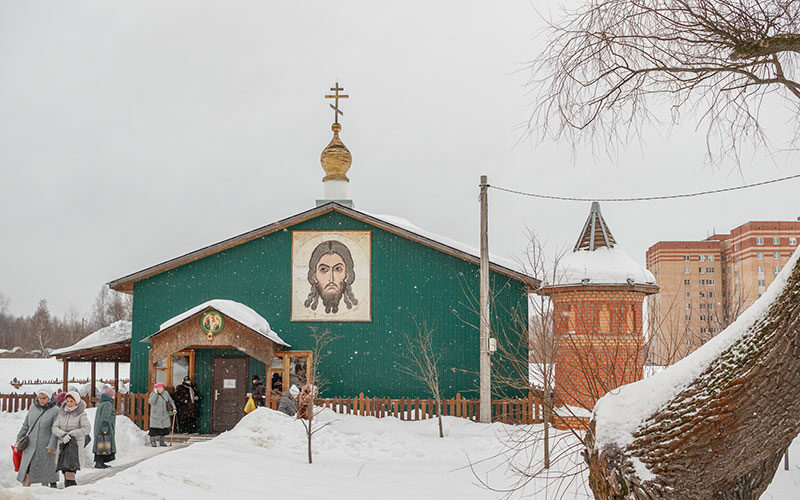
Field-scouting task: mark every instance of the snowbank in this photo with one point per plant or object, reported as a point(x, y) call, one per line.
point(601, 266)
point(621, 412)
point(240, 312)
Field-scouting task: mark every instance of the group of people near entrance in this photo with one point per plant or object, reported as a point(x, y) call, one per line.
point(55, 431)
point(296, 401)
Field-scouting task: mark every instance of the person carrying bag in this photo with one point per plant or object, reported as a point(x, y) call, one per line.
point(162, 407)
point(104, 423)
point(33, 454)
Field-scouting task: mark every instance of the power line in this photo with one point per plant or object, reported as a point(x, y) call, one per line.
point(645, 198)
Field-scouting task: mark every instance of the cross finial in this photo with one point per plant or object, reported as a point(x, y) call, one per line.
point(336, 96)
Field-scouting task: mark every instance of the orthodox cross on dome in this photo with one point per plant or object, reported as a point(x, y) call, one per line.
point(595, 232)
point(336, 96)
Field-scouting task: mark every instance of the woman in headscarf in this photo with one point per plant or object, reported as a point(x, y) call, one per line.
point(71, 428)
point(105, 418)
point(162, 408)
point(38, 459)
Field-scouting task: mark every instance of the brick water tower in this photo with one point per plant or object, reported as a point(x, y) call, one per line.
point(597, 297)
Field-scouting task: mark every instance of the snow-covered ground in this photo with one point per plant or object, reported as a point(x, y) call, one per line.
point(354, 457)
point(51, 368)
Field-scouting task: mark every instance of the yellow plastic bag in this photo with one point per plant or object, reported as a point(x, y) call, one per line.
point(250, 406)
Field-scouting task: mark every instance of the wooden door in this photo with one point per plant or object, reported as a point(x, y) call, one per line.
point(228, 392)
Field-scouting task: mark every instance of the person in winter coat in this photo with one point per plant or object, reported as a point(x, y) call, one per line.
point(38, 459)
point(105, 418)
point(162, 407)
point(259, 392)
point(288, 404)
point(71, 427)
point(186, 399)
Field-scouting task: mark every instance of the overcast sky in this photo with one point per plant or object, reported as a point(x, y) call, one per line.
point(132, 132)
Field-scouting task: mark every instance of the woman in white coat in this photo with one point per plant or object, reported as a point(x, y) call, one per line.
point(71, 428)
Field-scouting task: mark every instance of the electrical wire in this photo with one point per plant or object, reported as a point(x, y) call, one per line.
point(644, 198)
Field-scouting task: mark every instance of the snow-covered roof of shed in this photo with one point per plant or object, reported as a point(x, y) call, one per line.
point(111, 334)
point(236, 310)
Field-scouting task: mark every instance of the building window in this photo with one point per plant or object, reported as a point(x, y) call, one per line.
point(776, 256)
point(759, 241)
point(761, 269)
point(762, 283)
point(687, 282)
point(760, 255)
point(605, 320)
point(702, 305)
point(710, 295)
point(688, 340)
point(793, 241)
point(702, 294)
point(776, 270)
point(689, 294)
point(687, 317)
point(709, 270)
point(709, 282)
point(711, 258)
point(735, 246)
point(630, 319)
point(688, 306)
point(686, 270)
point(702, 282)
point(776, 241)
point(700, 270)
point(686, 258)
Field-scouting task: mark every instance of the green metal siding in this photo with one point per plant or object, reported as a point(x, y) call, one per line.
point(408, 279)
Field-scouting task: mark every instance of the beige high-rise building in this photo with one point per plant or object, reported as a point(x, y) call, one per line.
point(707, 284)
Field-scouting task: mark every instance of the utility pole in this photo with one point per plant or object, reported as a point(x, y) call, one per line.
point(485, 367)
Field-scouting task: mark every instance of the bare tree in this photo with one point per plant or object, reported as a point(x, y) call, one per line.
point(4, 302)
point(307, 410)
point(111, 306)
point(421, 362)
point(721, 433)
point(610, 64)
point(41, 327)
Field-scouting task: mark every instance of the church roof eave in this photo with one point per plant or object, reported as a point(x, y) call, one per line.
point(125, 283)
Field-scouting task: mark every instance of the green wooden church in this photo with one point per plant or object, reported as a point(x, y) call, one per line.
point(248, 305)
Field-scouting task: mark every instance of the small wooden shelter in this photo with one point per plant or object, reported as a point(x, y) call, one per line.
point(111, 344)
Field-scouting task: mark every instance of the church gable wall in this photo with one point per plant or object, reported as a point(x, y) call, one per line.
point(407, 279)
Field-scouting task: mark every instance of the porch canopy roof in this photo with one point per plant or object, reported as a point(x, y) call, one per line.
point(108, 344)
point(243, 329)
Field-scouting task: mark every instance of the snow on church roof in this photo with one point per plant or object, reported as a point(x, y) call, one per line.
point(410, 227)
point(111, 334)
point(232, 309)
point(391, 223)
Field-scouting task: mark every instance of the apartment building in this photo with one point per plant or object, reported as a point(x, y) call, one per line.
point(706, 284)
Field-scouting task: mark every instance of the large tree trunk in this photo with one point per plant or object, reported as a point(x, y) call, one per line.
point(722, 435)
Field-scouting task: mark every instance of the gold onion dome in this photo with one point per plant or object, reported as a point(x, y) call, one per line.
point(336, 158)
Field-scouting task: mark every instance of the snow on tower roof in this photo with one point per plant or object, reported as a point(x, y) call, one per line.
point(236, 310)
point(111, 334)
point(597, 260)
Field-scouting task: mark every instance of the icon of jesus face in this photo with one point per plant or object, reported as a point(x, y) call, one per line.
point(331, 275)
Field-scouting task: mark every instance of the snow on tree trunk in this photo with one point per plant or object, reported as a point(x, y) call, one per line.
point(715, 424)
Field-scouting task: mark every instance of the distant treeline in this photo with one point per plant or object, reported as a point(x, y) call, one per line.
point(43, 332)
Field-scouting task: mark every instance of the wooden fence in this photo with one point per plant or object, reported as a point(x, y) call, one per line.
point(60, 381)
point(511, 411)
